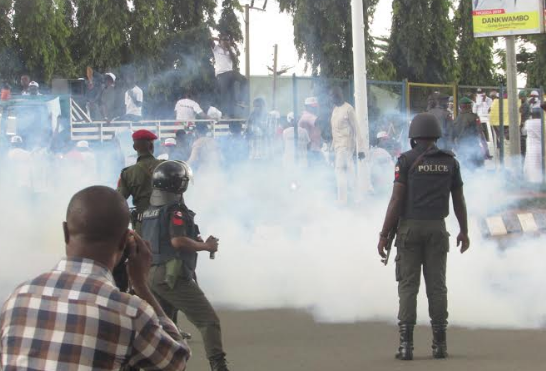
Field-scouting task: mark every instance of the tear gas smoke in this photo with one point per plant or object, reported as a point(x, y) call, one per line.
point(283, 247)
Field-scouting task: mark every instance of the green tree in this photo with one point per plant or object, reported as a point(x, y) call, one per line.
point(410, 41)
point(536, 73)
point(323, 35)
point(186, 55)
point(102, 35)
point(9, 58)
point(229, 23)
point(42, 36)
point(148, 35)
point(441, 59)
point(475, 65)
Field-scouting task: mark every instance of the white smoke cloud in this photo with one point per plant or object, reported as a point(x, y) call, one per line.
point(281, 248)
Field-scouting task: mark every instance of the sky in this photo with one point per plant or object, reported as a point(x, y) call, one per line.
point(273, 27)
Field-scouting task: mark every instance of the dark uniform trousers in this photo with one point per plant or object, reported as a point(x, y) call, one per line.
point(187, 297)
point(422, 243)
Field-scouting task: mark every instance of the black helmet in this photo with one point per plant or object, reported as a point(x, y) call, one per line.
point(172, 176)
point(425, 125)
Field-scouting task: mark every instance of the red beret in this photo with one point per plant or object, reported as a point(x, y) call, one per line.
point(144, 135)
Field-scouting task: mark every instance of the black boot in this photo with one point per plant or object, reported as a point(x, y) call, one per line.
point(405, 350)
point(439, 343)
point(218, 363)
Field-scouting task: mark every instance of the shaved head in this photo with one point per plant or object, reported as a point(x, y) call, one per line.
point(97, 215)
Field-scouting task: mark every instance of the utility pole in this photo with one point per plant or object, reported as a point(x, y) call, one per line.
point(361, 92)
point(512, 91)
point(247, 42)
point(248, 7)
point(275, 67)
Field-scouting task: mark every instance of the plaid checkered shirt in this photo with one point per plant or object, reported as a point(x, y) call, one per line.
point(74, 318)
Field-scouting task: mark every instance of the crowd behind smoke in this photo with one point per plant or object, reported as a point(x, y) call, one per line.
point(286, 243)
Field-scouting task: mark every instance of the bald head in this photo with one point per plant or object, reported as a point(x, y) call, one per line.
point(97, 215)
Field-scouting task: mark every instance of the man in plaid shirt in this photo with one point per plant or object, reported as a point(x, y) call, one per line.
point(74, 318)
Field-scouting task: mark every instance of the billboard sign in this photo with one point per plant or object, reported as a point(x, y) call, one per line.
point(507, 17)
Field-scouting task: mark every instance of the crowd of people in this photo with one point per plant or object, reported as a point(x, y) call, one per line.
point(325, 137)
point(467, 133)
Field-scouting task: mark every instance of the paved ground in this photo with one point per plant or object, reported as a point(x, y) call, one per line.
point(285, 340)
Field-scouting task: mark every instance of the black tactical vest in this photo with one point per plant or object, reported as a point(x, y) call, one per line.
point(155, 229)
point(429, 184)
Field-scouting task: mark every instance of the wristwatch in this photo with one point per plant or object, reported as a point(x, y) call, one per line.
point(383, 235)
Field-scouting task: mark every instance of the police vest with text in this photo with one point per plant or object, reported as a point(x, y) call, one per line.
point(429, 184)
point(155, 229)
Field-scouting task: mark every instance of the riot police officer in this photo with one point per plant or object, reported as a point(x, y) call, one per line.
point(424, 179)
point(175, 240)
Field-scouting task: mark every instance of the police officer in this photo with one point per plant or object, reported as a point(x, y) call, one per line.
point(468, 136)
point(136, 181)
point(438, 107)
point(424, 179)
point(175, 239)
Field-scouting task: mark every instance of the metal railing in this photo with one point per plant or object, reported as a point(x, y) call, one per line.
point(104, 131)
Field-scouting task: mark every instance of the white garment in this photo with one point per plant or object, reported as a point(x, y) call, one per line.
point(205, 155)
point(482, 105)
point(21, 165)
point(187, 110)
point(345, 174)
point(532, 167)
point(303, 143)
point(222, 60)
point(381, 162)
point(214, 113)
point(130, 107)
point(346, 131)
point(536, 104)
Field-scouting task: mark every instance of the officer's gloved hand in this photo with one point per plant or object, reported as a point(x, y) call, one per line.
point(361, 155)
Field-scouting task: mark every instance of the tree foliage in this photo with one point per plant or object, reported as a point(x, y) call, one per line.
point(9, 56)
point(409, 44)
point(167, 42)
point(475, 64)
point(101, 35)
point(323, 35)
point(536, 60)
point(422, 41)
point(148, 30)
point(441, 59)
point(42, 34)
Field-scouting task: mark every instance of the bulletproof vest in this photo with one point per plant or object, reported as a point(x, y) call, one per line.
point(429, 184)
point(155, 229)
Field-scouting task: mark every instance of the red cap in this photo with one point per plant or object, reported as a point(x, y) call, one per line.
point(144, 135)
